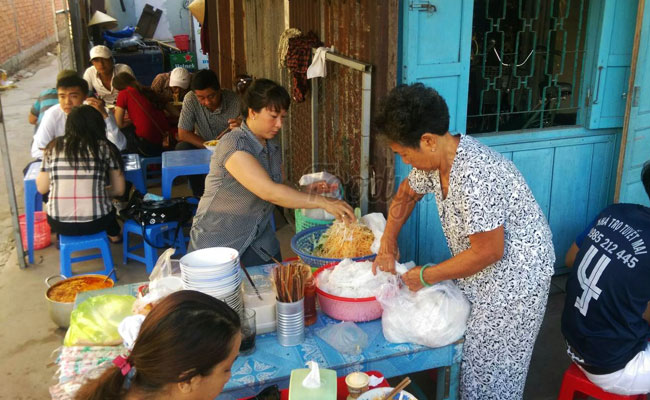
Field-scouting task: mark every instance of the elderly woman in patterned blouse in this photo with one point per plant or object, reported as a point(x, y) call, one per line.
point(500, 241)
point(245, 182)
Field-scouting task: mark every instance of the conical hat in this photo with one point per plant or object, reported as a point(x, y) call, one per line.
point(99, 18)
point(197, 8)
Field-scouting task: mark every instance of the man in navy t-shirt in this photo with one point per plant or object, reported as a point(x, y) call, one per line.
point(607, 293)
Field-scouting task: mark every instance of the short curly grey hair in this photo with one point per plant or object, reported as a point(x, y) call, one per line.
point(409, 111)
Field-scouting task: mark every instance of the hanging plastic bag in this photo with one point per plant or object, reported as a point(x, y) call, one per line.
point(345, 337)
point(322, 183)
point(94, 322)
point(433, 316)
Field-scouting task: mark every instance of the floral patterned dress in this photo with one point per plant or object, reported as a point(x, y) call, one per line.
point(508, 297)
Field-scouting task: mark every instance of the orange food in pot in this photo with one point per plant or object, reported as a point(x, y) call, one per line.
point(66, 291)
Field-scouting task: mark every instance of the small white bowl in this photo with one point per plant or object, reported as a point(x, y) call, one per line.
point(210, 147)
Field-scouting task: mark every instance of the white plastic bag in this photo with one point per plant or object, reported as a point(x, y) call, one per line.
point(161, 284)
point(433, 316)
point(332, 182)
point(346, 337)
point(129, 329)
point(163, 265)
point(377, 224)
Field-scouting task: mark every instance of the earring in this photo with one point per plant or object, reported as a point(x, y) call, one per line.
point(253, 117)
point(433, 150)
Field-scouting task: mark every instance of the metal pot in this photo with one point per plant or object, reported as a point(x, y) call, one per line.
point(60, 311)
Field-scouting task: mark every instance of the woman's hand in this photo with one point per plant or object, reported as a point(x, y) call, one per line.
point(411, 278)
point(341, 210)
point(234, 122)
point(97, 104)
point(386, 257)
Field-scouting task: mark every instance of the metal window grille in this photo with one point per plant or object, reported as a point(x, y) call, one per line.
point(526, 64)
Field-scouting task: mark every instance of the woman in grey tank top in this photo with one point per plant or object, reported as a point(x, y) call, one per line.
point(245, 182)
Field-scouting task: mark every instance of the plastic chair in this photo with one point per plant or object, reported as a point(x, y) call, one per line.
point(70, 244)
point(159, 235)
point(154, 176)
point(576, 383)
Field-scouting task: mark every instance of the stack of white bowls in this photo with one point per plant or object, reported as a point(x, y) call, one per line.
point(214, 271)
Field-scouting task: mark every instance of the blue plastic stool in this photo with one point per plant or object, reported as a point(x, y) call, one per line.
point(133, 171)
point(144, 163)
point(159, 234)
point(70, 244)
point(135, 177)
point(33, 203)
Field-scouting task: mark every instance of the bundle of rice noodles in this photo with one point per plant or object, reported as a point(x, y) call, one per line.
point(354, 279)
point(344, 241)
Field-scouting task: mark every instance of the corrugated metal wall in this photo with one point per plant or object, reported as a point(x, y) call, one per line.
point(365, 30)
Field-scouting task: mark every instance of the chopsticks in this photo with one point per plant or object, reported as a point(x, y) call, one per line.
point(257, 292)
point(269, 254)
point(219, 136)
point(289, 279)
point(289, 282)
point(400, 386)
point(109, 275)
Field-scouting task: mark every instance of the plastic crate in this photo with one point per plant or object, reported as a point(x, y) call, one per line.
point(303, 245)
point(146, 63)
point(303, 222)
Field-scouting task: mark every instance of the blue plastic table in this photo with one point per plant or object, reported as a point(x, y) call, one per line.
point(33, 203)
point(181, 163)
point(272, 363)
point(133, 172)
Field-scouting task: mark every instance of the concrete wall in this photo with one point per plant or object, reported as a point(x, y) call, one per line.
point(26, 31)
point(174, 21)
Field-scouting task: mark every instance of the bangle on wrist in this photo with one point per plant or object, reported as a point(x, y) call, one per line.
point(424, 283)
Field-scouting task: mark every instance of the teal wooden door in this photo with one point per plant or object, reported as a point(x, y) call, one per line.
point(569, 171)
point(637, 144)
point(435, 51)
point(608, 68)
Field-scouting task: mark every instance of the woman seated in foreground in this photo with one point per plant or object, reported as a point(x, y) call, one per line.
point(185, 349)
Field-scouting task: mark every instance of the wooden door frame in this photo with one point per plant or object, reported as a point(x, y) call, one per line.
point(629, 100)
point(227, 54)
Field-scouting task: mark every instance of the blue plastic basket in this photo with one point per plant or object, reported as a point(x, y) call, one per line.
point(303, 245)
